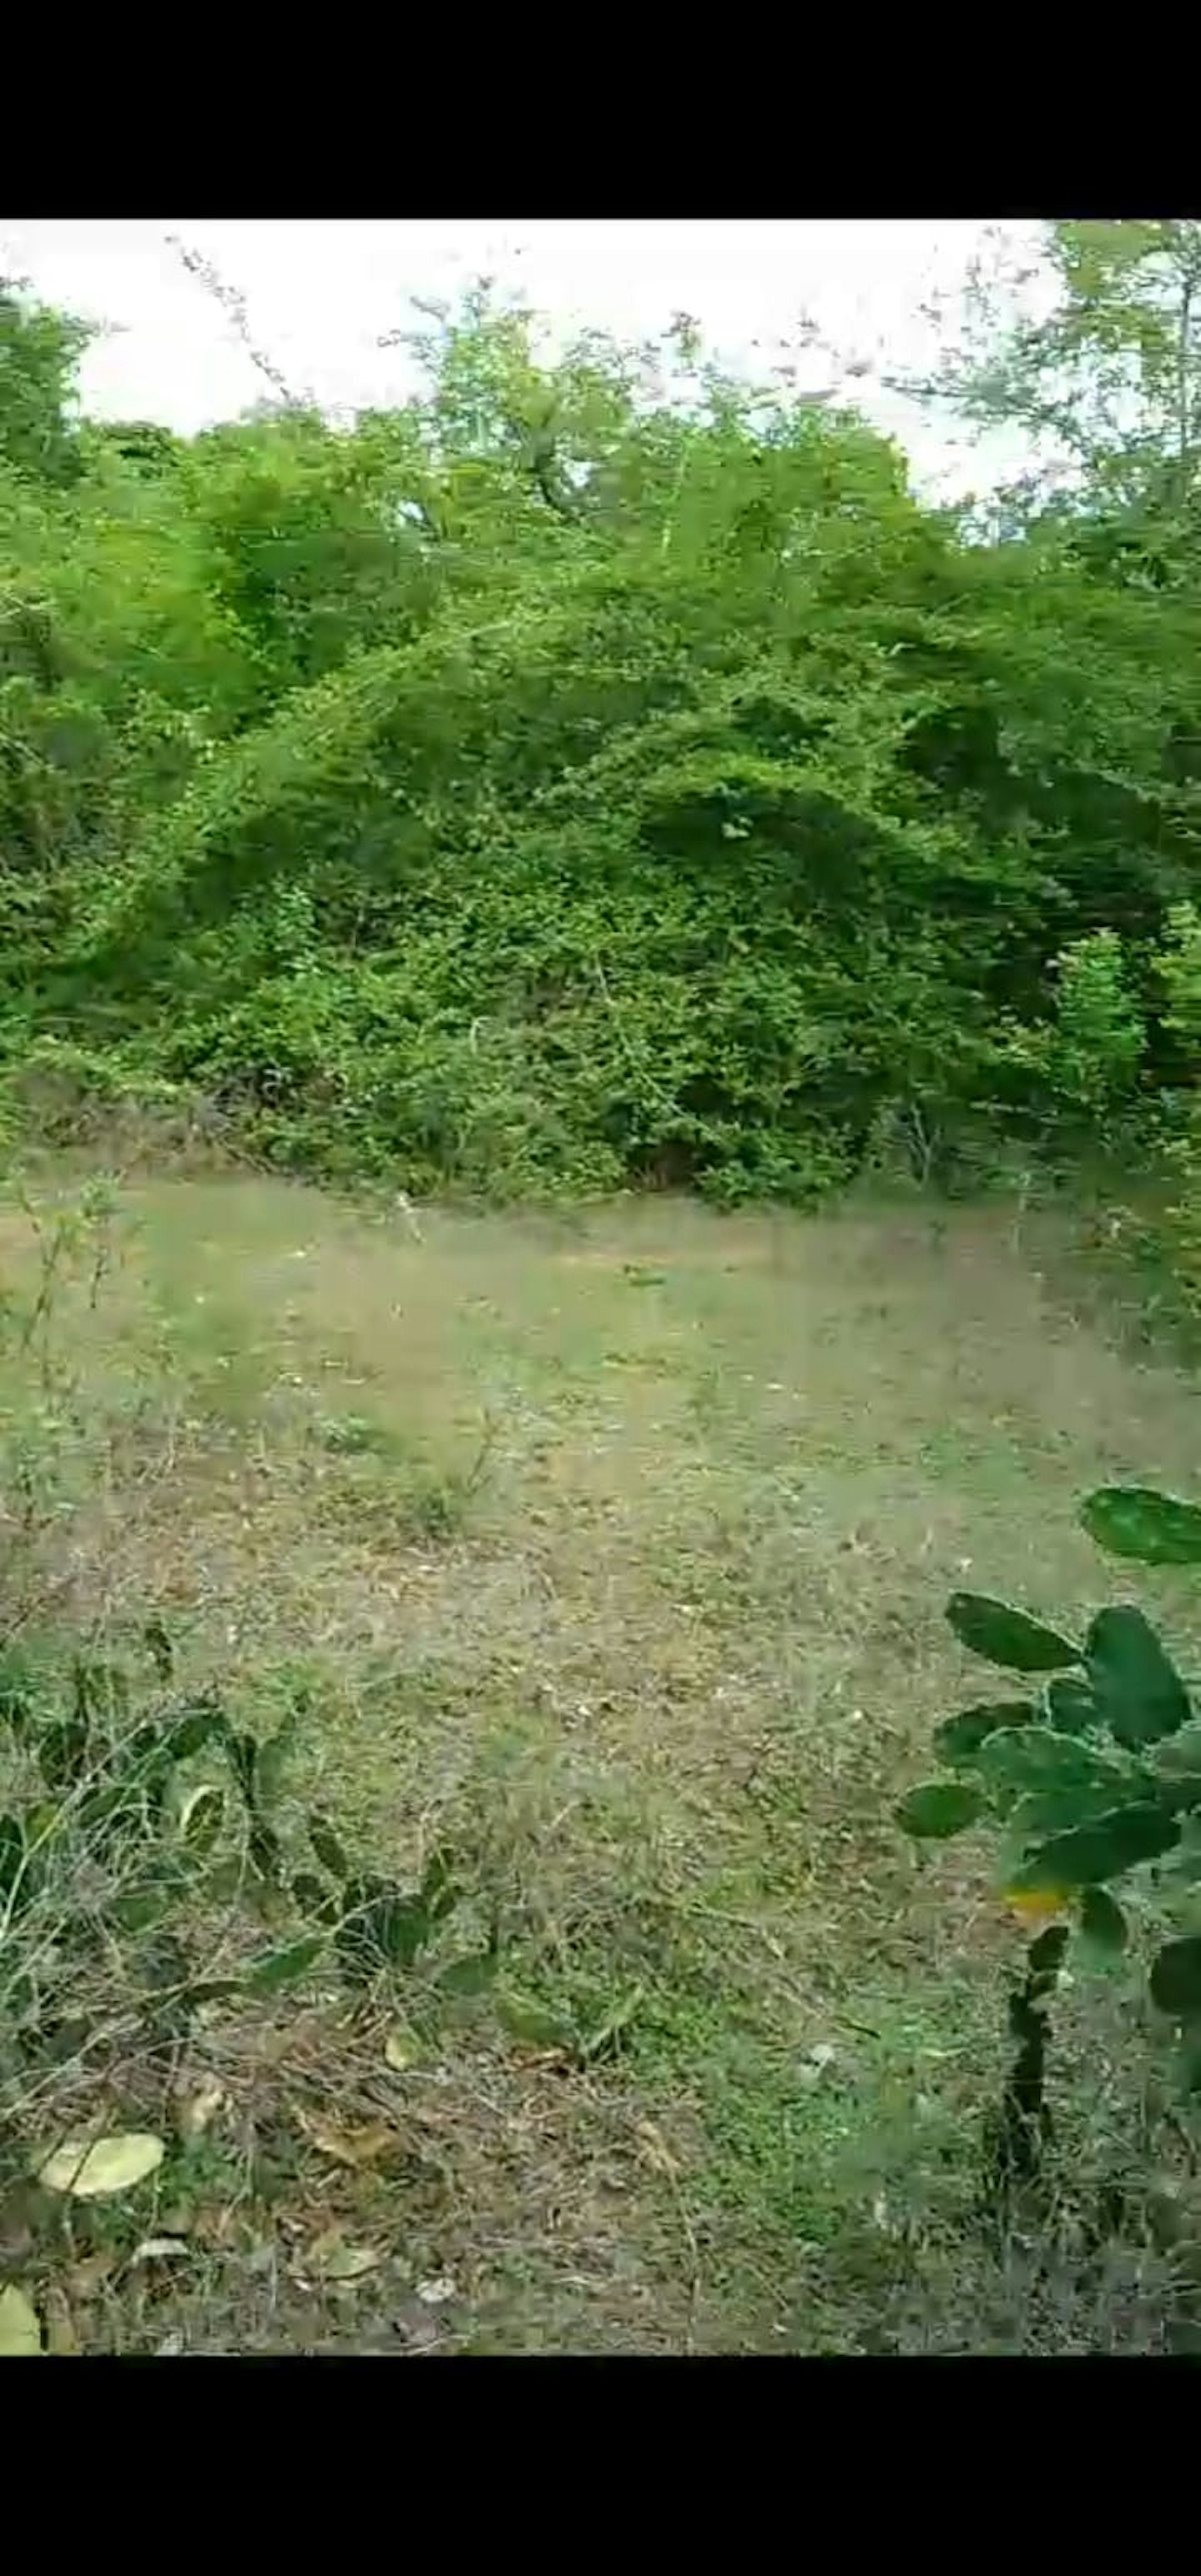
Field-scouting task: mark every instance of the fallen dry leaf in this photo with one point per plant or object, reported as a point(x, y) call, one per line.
point(20, 2327)
point(402, 2049)
point(160, 2249)
point(95, 2169)
point(352, 2147)
point(334, 2260)
point(196, 2111)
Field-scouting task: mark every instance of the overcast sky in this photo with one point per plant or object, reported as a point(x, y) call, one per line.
point(321, 294)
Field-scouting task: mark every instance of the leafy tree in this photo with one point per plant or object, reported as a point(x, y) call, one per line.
point(39, 352)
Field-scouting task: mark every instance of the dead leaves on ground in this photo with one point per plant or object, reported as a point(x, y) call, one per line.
point(355, 2148)
point(331, 2258)
point(328, 2214)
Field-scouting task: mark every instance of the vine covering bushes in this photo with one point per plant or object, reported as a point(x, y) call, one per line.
point(598, 772)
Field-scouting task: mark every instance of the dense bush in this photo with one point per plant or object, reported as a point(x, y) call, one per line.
point(599, 772)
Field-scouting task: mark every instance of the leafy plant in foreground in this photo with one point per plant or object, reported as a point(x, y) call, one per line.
point(1096, 1777)
point(131, 1891)
point(376, 1924)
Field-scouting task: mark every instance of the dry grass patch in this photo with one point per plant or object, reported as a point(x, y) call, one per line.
point(613, 1552)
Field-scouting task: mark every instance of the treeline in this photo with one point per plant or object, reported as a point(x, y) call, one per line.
point(603, 772)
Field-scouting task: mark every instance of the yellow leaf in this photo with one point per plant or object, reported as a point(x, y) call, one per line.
point(352, 2147)
point(92, 2169)
point(402, 2049)
point(20, 2331)
point(1036, 1904)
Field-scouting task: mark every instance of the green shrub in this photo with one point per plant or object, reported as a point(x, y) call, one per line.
point(590, 773)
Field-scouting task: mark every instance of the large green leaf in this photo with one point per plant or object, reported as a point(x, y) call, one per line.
point(1135, 1521)
point(472, 1974)
point(63, 1753)
point(1007, 1636)
point(242, 1750)
point(384, 1926)
point(314, 1896)
point(959, 1738)
point(535, 2024)
point(15, 1888)
point(1185, 1864)
point(273, 1759)
point(1138, 1690)
point(1176, 1978)
point(201, 1818)
point(285, 1967)
point(16, 1696)
point(265, 1851)
point(1093, 1852)
point(1032, 1758)
point(939, 1808)
point(1058, 1811)
point(194, 1726)
point(1103, 1925)
point(1071, 1704)
point(397, 1925)
point(327, 1847)
point(1178, 1757)
point(145, 1758)
point(138, 1909)
point(440, 1888)
point(100, 1688)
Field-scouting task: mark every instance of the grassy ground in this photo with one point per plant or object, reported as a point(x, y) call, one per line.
point(613, 1552)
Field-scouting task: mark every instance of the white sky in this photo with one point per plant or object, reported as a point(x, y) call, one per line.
point(320, 294)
